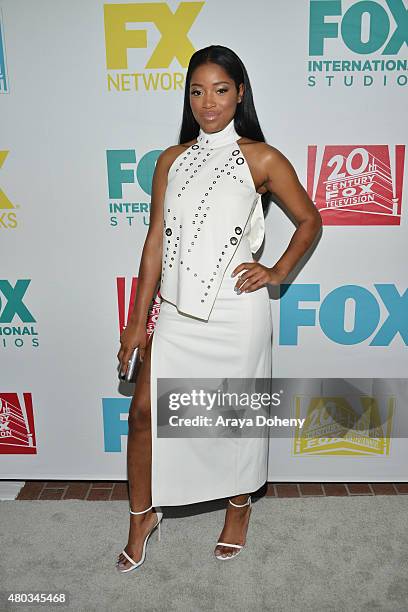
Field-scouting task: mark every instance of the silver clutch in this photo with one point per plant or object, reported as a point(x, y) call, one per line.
point(130, 374)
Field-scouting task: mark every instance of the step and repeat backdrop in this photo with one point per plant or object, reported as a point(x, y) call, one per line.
point(90, 94)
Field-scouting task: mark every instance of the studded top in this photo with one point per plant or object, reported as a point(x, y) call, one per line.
point(209, 205)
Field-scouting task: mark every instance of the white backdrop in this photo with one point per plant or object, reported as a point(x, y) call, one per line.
point(80, 132)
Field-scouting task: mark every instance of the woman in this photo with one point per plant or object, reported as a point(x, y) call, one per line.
point(207, 218)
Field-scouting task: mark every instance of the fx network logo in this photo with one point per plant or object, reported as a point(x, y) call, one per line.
point(357, 185)
point(120, 209)
point(8, 219)
point(12, 307)
point(17, 432)
point(128, 297)
point(374, 32)
point(122, 36)
point(4, 86)
point(340, 322)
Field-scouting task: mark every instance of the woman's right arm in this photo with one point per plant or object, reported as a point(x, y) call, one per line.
point(150, 265)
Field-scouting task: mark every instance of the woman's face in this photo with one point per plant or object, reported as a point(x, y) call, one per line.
point(213, 97)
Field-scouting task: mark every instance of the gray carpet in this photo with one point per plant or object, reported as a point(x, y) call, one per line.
point(317, 554)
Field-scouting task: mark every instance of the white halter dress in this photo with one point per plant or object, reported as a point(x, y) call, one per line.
point(213, 221)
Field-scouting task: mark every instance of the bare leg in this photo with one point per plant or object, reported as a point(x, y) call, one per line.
point(235, 526)
point(139, 451)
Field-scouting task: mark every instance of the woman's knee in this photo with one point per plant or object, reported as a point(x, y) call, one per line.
point(139, 416)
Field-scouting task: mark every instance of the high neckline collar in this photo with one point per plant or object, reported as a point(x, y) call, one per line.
point(212, 140)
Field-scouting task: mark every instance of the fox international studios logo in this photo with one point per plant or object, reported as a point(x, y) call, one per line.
point(129, 182)
point(147, 43)
point(357, 184)
point(17, 324)
point(360, 43)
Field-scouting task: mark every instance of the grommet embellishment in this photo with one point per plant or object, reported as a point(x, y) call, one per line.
point(236, 152)
point(238, 230)
point(195, 147)
point(240, 161)
point(168, 232)
point(233, 240)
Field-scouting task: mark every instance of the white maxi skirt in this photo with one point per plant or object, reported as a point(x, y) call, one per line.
point(235, 342)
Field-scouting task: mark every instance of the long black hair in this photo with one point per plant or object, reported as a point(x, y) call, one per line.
point(245, 120)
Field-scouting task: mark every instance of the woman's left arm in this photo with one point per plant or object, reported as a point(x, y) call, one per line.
point(281, 179)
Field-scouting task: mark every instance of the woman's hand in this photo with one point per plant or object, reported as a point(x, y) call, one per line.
point(131, 337)
point(256, 276)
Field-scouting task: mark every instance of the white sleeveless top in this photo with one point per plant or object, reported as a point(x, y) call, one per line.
point(209, 200)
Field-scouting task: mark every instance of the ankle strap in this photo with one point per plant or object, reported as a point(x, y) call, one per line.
point(247, 503)
point(142, 512)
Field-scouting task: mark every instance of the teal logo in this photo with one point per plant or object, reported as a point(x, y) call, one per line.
point(124, 170)
point(365, 27)
point(17, 324)
point(375, 32)
point(4, 88)
point(329, 313)
point(11, 302)
point(114, 425)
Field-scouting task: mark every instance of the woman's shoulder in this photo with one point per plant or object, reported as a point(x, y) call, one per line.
point(258, 147)
point(260, 151)
point(169, 155)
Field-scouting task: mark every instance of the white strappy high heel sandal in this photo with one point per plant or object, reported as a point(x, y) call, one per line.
point(239, 546)
point(136, 564)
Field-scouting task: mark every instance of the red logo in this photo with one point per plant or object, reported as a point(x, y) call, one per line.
point(17, 433)
point(356, 185)
point(154, 307)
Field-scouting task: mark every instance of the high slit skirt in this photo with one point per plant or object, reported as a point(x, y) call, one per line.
point(236, 342)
